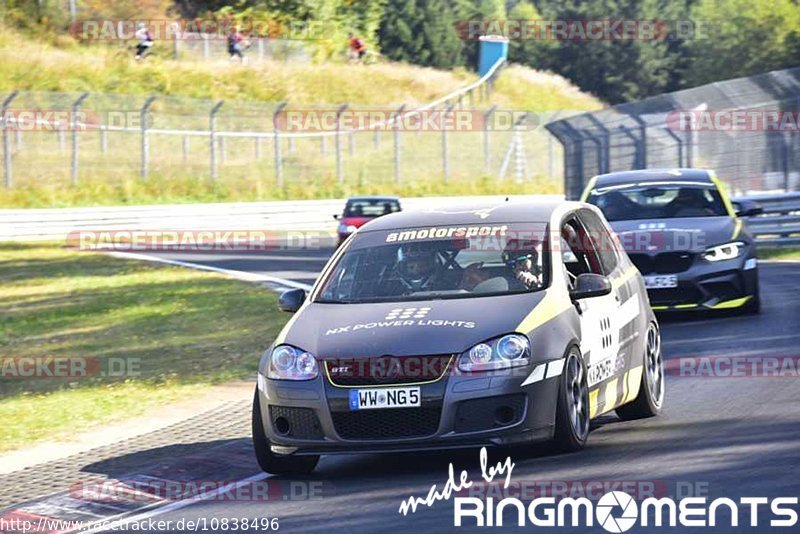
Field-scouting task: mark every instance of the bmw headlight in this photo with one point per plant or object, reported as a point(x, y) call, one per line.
point(290, 363)
point(724, 252)
point(512, 350)
point(347, 228)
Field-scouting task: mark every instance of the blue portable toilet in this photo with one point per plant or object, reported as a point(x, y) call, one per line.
point(492, 48)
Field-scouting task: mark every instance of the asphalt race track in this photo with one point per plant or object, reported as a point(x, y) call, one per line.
point(718, 437)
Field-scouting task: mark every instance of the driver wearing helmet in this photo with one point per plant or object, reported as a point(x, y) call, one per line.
point(522, 257)
point(417, 267)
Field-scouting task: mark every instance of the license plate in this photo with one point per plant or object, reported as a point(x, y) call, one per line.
point(376, 398)
point(661, 282)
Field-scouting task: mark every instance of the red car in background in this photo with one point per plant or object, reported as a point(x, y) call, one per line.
point(360, 210)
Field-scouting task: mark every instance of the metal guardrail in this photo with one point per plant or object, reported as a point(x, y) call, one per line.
point(779, 225)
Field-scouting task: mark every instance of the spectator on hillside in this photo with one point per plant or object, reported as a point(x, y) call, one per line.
point(358, 48)
point(145, 41)
point(236, 45)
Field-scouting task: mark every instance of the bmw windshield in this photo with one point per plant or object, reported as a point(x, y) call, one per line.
point(440, 262)
point(658, 201)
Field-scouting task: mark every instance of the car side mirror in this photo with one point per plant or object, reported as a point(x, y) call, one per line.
point(747, 208)
point(336, 217)
point(590, 285)
point(291, 300)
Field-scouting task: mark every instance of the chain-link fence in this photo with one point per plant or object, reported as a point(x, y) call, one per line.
point(71, 138)
point(746, 129)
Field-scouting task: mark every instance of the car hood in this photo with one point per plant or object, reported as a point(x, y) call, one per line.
point(419, 328)
point(692, 234)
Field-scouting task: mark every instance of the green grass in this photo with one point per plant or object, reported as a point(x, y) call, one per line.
point(779, 254)
point(68, 66)
point(41, 161)
point(178, 330)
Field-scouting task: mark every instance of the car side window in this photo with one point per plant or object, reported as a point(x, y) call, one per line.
point(601, 239)
point(578, 253)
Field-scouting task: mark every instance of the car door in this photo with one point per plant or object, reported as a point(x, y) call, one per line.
point(599, 340)
point(625, 324)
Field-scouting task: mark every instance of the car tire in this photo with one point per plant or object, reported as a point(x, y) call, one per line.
point(270, 462)
point(650, 400)
point(572, 410)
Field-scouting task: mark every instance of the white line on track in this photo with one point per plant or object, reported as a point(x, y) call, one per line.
point(120, 522)
point(239, 275)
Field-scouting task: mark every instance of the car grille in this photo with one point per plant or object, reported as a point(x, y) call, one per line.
point(387, 423)
point(387, 370)
point(678, 295)
point(491, 412)
point(300, 423)
point(664, 263)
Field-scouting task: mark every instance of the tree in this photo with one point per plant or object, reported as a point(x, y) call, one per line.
point(743, 37)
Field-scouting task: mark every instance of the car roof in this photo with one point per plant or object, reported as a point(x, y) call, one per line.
point(375, 198)
point(653, 175)
point(483, 213)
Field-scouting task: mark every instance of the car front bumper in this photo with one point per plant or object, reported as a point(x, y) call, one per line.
point(710, 286)
point(313, 417)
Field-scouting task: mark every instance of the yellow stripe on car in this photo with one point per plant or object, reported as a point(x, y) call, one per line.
point(551, 306)
point(610, 397)
point(728, 304)
point(722, 193)
point(632, 380)
point(593, 402)
point(589, 187)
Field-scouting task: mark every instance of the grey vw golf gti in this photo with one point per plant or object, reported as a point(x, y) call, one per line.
point(486, 325)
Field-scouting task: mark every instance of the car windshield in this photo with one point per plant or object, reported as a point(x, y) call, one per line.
point(439, 262)
point(658, 201)
point(371, 207)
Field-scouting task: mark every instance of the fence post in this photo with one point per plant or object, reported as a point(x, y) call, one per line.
point(176, 53)
point(786, 153)
point(212, 145)
point(277, 136)
point(678, 140)
point(445, 164)
point(74, 125)
point(145, 141)
point(223, 155)
point(185, 148)
point(339, 170)
point(103, 139)
point(486, 140)
point(642, 148)
point(6, 140)
point(396, 134)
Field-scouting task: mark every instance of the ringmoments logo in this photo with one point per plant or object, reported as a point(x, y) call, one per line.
point(617, 511)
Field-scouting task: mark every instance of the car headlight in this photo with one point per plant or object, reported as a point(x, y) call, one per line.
point(347, 228)
point(290, 363)
point(727, 251)
point(512, 350)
